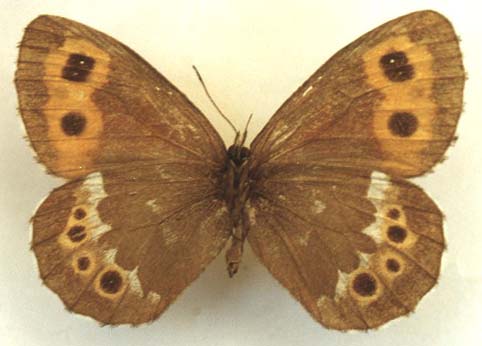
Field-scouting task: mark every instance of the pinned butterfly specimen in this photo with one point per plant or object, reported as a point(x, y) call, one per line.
point(321, 195)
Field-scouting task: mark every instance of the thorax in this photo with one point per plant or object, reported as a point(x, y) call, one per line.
point(237, 180)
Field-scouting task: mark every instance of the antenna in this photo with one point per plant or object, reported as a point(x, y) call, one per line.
point(245, 132)
point(214, 103)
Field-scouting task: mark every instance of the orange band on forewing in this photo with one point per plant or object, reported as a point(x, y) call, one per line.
point(413, 96)
point(74, 154)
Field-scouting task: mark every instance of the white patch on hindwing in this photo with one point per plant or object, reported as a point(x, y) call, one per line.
point(341, 284)
point(135, 283)
point(379, 184)
point(91, 194)
point(153, 297)
point(364, 259)
point(109, 256)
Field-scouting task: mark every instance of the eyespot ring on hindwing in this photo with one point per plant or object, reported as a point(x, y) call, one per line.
point(74, 235)
point(364, 285)
point(111, 282)
point(84, 263)
point(390, 264)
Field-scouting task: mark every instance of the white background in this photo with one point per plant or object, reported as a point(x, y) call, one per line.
point(253, 55)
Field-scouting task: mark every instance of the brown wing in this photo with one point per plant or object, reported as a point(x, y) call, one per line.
point(120, 249)
point(388, 101)
point(143, 214)
point(356, 251)
point(355, 246)
point(90, 103)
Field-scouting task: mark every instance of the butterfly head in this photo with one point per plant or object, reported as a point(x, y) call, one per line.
point(238, 154)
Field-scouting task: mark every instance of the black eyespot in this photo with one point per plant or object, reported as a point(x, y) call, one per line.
point(83, 263)
point(403, 124)
point(78, 67)
point(365, 284)
point(397, 234)
point(111, 282)
point(79, 213)
point(73, 123)
point(396, 67)
point(81, 61)
point(76, 233)
point(394, 214)
point(392, 265)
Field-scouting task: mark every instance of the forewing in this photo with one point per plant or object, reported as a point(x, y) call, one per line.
point(389, 101)
point(90, 103)
point(120, 250)
point(357, 251)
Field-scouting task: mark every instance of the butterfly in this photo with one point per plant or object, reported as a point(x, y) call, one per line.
point(321, 195)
